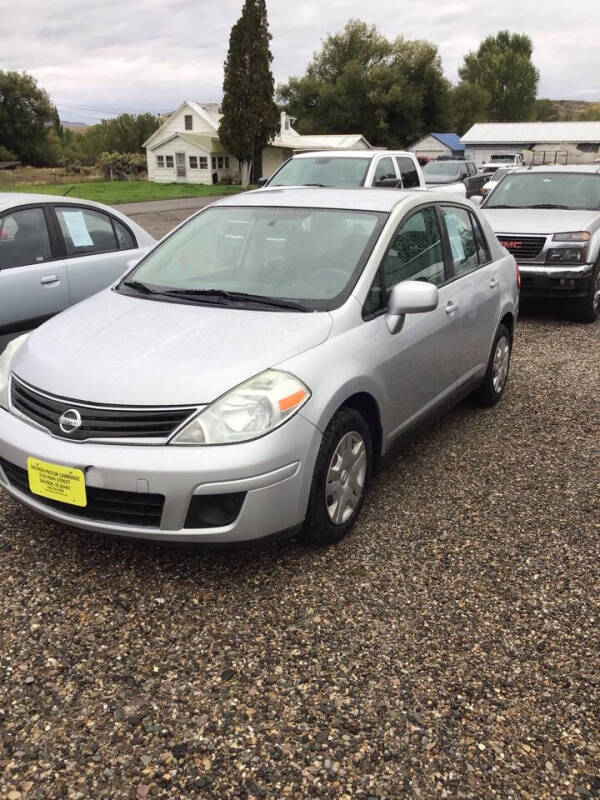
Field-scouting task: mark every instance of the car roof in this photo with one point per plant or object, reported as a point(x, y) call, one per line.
point(361, 199)
point(10, 199)
point(350, 153)
point(589, 168)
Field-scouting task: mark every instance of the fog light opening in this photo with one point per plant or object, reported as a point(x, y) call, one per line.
point(214, 510)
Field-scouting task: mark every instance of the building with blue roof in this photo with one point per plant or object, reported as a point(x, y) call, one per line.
point(439, 144)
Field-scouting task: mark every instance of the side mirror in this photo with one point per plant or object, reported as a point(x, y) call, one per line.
point(410, 297)
point(388, 183)
point(261, 181)
point(477, 199)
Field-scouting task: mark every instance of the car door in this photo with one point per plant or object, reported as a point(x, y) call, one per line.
point(418, 365)
point(476, 288)
point(33, 280)
point(97, 247)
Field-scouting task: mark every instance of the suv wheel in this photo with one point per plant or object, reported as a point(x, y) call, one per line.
point(588, 309)
point(492, 388)
point(341, 478)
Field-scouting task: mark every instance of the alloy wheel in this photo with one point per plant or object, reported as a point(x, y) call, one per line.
point(500, 366)
point(346, 477)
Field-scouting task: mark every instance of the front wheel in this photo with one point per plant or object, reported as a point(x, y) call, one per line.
point(341, 478)
point(492, 388)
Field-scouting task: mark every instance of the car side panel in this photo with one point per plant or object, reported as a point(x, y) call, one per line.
point(88, 274)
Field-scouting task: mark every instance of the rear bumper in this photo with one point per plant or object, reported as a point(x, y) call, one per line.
point(538, 280)
point(274, 473)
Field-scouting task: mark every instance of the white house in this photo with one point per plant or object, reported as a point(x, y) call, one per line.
point(186, 148)
point(540, 142)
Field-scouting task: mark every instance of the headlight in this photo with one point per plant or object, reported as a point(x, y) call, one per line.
point(252, 409)
point(5, 361)
point(574, 236)
point(566, 255)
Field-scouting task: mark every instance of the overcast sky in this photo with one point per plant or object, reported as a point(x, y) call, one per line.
point(98, 56)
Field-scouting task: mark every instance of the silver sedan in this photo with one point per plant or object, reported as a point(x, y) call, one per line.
point(54, 252)
point(246, 377)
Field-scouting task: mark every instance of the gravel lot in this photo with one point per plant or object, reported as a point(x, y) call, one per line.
point(448, 648)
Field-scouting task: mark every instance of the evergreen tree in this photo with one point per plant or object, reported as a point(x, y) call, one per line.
point(250, 117)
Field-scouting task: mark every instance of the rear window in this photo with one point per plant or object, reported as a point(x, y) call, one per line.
point(322, 171)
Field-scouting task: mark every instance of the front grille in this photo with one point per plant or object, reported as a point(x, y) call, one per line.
point(97, 422)
point(523, 248)
point(103, 505)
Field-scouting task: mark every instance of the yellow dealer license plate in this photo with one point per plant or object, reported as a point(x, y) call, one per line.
point(65, 484)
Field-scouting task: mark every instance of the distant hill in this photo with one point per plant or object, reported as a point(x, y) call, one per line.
point(572, 110)
point(73, 126)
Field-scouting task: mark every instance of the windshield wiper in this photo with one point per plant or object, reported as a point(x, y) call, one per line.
point(138, 286)
point(545, 205)
point(219, 295)
point(489, 206)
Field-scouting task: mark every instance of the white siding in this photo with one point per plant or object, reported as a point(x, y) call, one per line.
point(272, 159)
point(430, 147)
point(169, 174)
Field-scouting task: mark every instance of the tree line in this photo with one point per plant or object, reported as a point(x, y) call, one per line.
point(392, 91)
point(31, 131)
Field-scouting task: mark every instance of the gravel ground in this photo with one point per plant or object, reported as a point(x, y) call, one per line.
point(448, 648)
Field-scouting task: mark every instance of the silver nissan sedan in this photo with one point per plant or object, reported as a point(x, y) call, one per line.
point(245, 378)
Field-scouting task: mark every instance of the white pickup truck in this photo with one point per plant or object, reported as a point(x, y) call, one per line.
point(498, 160)
point(391, 169)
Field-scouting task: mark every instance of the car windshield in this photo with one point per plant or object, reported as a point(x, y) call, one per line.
point(547, 190)
point(441, 171)
point(307, 258)
point(322, 171)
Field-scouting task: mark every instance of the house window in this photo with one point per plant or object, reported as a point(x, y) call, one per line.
point(588, 147)
point(188, 122)
point(220, 162)
point(226, 162)
point(193, 162)
point(160, 161)
point(214, 162)
point(203, 162)
point(169, 160)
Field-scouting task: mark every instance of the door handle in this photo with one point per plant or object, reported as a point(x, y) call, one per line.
point(494, 282)
point(46, 279)
point(451, 307)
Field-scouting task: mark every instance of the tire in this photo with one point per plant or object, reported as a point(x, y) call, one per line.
point(328, 521)
point(494, 383)
point(588, 309)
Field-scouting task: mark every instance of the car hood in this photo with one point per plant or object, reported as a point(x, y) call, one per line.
point(123, 350)
point(538, 220)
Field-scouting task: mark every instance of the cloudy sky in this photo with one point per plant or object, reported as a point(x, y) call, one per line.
point(100, 57)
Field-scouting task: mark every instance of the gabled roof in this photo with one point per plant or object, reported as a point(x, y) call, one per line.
point(208, 112)
point(451, 140)
point(532, 132)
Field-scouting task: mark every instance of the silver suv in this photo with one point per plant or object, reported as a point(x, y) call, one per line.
point(246, 377)
point(549, 219)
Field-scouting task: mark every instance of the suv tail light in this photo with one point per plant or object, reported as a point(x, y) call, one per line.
point(518, 276)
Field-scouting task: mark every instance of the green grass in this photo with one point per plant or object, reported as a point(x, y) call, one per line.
point(124, 191)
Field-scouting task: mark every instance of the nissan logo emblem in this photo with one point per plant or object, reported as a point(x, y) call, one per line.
point(69, 421)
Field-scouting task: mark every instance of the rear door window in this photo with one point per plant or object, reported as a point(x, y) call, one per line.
point(462, 239)
point(384, 171)
point(24, 238)
point(408, 172)
point(86, 231)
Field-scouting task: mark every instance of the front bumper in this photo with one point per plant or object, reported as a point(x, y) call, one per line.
point(539, 280)
point(274, 472)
